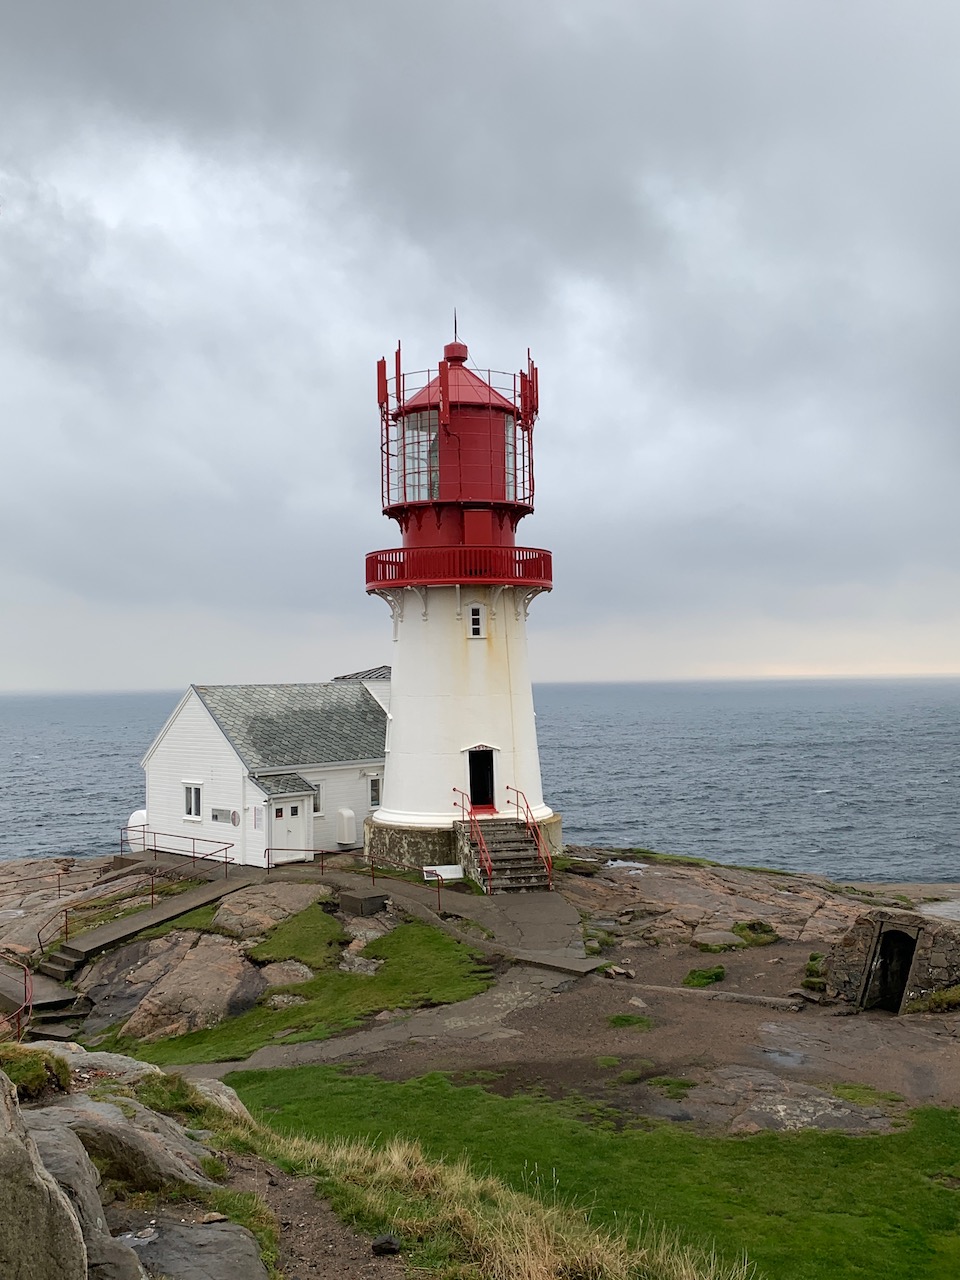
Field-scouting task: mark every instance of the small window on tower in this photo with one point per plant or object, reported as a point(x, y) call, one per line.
point(476, 622)
point(294, 811)
point(278, 813)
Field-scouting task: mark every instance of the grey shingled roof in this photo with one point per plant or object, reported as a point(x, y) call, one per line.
point(371, 673)
point(285, 784)
point(285, 726)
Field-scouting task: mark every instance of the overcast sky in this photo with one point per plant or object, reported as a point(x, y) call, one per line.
point(729, 232)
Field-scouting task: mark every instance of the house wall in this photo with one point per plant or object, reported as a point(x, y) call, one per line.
point(344, 787)
point(193, 750)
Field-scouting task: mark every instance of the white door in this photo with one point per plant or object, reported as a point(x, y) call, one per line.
point(287, 830)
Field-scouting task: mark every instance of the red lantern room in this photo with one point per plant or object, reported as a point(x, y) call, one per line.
point(457, 471)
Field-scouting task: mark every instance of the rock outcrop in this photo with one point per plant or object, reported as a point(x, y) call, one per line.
point(52, 1219)
point(40, 1235)
point(132, 1144)
point(64, 1157)
point(254, 911)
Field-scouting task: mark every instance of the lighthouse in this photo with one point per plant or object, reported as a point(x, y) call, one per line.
point(461, 781)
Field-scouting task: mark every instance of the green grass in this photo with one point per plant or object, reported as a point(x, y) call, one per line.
point(606, 1063)
point(704, 977)
point(312, 936)
point(863, 1095)
point(674, 1087)
point(200, 918)
point(640, 1021)
point(756, 933)
point(944, 1001)
point(422, 966)
point(33, 1071)
point(805, 1206)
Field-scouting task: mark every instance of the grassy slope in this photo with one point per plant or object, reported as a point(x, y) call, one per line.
point(806, 1206)
point(422, 966)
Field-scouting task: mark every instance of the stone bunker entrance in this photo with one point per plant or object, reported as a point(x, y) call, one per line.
point(892, 959)
point(889, 969)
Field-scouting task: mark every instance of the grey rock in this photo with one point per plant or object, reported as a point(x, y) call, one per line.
point(212, 1251)
point(212, 981)
point(118, 981)
point(259, 908)
point(286, 973)
point(40, 1236)
point(222, 1096)
point(132, 1143)
point(384, 1245)
point(63, 1156)
point(79, 1059)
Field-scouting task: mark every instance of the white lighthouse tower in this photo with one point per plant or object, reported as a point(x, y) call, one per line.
point(462, 775)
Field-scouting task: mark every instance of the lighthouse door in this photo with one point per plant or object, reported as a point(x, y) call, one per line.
point(481, 778)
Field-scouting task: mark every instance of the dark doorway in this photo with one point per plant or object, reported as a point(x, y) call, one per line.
point(481, 778)
point(891, 969)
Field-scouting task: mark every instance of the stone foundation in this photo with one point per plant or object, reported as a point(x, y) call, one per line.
point(416, 847)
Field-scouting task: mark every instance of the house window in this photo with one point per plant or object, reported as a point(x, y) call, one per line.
point(318, 797)
point(294, 811)
point(191, 801)
point(278, 813)
point(374, 793)
point(257, 817)
point(477, 622)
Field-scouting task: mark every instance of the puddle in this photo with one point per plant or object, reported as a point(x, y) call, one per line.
point(785, 1057)
point(632, 868)
point(11, 914)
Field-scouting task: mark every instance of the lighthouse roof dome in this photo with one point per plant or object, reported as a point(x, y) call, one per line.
point(465, 386)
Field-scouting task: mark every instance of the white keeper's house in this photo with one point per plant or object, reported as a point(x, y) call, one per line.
point(278, 768)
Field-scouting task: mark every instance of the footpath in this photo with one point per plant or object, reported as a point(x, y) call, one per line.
point(539, 932)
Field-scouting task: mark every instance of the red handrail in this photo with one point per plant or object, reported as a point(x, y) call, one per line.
point(431, 873)
point(324, 853)
point(79, 906)
point(534, 829)
point(19, 880)
point(19, 1018)
point(149, 843)
point(476, 835)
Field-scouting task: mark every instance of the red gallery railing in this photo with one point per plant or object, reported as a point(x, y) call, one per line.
point(525, 817)
point(447, 566)
point(476, 834)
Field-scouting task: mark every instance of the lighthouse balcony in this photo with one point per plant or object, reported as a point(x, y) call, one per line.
point(447, 566)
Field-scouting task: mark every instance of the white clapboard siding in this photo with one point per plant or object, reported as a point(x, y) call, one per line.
point(192, 749)
point(344, 787)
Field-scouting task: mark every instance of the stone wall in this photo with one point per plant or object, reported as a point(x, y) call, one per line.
point(935, 965)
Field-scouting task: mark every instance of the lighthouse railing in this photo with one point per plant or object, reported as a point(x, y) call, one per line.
point(400, 566)
point(525, 817)
point(465, 804)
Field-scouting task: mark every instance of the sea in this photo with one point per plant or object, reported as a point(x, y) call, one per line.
point(853, 779)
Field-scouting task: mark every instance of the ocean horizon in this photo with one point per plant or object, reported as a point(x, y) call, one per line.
point(856, 778)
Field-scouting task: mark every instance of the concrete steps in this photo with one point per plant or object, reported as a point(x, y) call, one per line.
point(516, 862)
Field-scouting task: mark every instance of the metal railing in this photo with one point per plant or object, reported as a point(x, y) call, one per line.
point(58, 875)
point(146, 842)
point(44, 938)
point(465, 805)
point(399, 566)
point(533, 827)
point(14, 1025)
point(321, 853)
